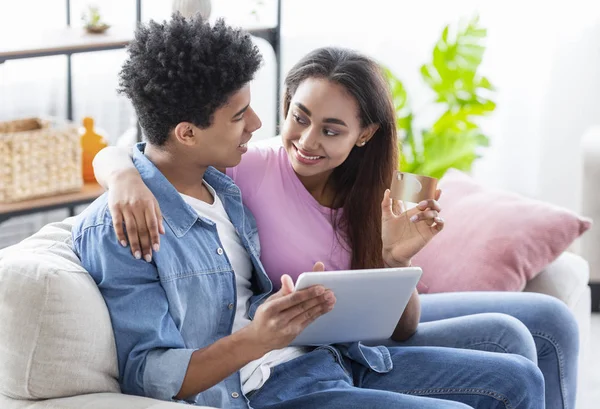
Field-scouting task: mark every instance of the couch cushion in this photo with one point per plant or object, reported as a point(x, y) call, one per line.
point(493, 240)
point(56, 338)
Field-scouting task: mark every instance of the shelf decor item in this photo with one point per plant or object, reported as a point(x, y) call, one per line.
point(91, 144)
point(38, 157)
point(92, 21)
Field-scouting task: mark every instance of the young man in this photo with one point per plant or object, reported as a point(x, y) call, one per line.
point(173, 318)
point(193, 322)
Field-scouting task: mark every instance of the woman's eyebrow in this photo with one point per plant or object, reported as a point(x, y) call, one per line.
point(326, 120)
point(334, 121)
point(303, 108)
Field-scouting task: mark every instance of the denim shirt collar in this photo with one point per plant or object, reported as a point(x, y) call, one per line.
point(176, 212)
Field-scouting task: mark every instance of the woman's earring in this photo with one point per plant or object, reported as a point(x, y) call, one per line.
point(363, 143)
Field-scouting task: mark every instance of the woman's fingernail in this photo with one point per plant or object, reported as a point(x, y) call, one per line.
point(148, 258)
point(155, 247)
point(439, 220)
point(137, 255)
point(423, 203)
point(414, 218)
point(123, 243)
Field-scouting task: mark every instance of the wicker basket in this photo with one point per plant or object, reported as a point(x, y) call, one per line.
point(38, 157)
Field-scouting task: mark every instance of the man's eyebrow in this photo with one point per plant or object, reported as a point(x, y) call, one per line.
point(241, 111)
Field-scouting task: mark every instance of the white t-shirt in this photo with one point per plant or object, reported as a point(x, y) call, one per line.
point(255, 374)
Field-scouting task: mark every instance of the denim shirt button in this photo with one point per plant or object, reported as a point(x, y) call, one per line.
point(235, 395)
point(230, 306)
point(220, 251)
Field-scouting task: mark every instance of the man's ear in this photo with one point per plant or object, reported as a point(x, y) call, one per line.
point(185, 133)
point(366, 135)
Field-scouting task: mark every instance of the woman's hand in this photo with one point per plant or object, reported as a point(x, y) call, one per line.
point(404, 233)
point(133, 204)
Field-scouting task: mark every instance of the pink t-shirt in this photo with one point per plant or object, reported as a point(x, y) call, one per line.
point(295, 231)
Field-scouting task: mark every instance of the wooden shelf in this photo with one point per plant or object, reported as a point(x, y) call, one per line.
point(64, 41)
point(76, 40)
point(89, 193)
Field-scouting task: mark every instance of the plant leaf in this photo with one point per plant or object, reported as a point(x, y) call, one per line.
point(454, 139)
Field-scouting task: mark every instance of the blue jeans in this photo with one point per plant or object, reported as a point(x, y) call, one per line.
point(548, 320)
point(422, 378)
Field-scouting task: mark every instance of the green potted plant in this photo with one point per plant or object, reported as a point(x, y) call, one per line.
point(454, 139)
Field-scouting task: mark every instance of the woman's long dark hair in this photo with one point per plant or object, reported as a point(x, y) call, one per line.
point(359, 182)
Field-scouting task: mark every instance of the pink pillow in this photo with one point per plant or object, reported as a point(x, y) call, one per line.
point(493, 240)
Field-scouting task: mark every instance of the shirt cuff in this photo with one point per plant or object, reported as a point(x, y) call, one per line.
point(165, 371)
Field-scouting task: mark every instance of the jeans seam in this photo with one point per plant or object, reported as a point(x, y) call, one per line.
point(505, 350)
point(337, 357)
point(559, 354)
point(442, 391)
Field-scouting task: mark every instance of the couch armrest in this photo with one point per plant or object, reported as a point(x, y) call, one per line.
point(590, 200)
point(94, 401)
point(566, 278)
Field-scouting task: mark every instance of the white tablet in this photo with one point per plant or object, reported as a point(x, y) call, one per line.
point(368, 307)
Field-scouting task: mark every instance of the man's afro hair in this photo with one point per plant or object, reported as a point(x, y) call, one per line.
point(183, 70)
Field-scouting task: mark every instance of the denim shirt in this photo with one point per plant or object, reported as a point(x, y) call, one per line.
point(163, 311)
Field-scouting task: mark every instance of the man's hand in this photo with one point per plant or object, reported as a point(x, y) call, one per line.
point(286, 313)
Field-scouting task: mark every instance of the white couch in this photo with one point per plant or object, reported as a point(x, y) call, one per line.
point(56, 343)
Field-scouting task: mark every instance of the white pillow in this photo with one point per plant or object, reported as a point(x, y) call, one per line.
point(56, 338)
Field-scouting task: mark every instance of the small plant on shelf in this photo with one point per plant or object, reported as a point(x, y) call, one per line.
point(92, 21)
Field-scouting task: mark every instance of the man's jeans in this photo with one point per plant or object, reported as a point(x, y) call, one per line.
point(422, 378)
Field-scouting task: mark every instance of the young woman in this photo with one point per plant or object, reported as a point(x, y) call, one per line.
point(318, 198)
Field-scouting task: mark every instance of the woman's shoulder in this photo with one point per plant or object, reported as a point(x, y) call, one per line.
point(263, 157)
point(263, 153)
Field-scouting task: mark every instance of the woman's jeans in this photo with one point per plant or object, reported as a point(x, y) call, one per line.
point(422, 378)
point(555, 345)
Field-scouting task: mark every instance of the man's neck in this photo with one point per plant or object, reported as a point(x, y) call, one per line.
point(183, 175)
